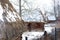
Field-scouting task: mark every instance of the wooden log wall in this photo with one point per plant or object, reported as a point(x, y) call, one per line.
point(35, 25)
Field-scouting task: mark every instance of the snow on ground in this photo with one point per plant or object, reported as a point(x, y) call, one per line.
point(32, 35)
point(49, 27)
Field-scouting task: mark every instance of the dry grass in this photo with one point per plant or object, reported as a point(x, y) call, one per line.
point(10, 6)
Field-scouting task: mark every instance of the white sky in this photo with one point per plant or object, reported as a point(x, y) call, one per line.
point(44, 5)
point(39, 3)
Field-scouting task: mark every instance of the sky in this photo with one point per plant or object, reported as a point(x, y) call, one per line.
point(44, 5)
point(39, 4)
point(33, 15)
